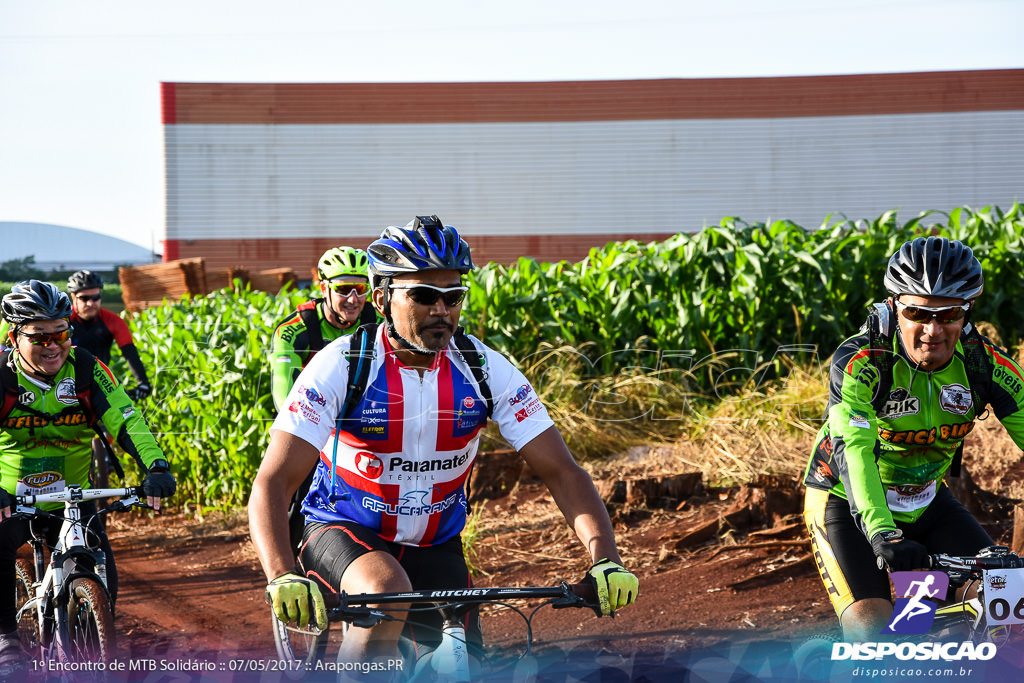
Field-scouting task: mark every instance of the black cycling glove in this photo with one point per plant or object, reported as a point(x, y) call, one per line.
point(897, 553)
point(6, 499)
point(139, 393)
point(159, 482)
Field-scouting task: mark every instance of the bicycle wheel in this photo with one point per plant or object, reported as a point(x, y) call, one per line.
point(28, 620)
point(305, 645)
point(90, 622)
point(813, 658)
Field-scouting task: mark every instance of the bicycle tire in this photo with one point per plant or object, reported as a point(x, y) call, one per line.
point(28, 625)
point(298, 645)
point(812, 659)
point(90, 622)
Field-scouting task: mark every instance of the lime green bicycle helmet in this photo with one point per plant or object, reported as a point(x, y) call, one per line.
point(342, 262)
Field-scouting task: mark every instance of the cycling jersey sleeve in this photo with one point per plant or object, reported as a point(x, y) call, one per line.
point(853, 426)
point(285, 361)
point(1005, 392)
point(519, 412)
point(121, 418)
point(131, 356)
point(118, 327)
point(312, 404)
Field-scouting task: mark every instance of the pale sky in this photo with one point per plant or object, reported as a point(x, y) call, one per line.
point(81, 143)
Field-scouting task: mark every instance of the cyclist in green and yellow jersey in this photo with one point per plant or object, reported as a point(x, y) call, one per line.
point(341, 308)
point(903, 394)
point(52, 398)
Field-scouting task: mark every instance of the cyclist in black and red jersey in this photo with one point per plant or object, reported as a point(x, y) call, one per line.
point(95, 329)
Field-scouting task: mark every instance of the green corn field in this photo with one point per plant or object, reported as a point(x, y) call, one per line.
point(631, 328)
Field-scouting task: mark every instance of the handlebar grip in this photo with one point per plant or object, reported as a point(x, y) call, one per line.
point(585, 589)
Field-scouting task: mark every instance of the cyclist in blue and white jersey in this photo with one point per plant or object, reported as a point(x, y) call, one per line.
point(388, 501)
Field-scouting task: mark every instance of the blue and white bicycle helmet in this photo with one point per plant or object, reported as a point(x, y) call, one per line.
point(423, 244)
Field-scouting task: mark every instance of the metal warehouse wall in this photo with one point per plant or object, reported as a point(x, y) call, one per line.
point(267, 175)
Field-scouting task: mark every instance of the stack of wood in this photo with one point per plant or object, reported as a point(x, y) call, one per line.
point(272, 280)
point(150, 285)
point(224, 278)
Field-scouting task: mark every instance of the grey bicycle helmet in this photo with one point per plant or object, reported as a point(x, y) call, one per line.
point(422, 244)
point(83, 279)
point(35, 300)
point(935, 266)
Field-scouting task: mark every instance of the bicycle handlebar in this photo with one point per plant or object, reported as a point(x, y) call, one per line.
point(351, 607)
point(975, 564)
point(77, 494)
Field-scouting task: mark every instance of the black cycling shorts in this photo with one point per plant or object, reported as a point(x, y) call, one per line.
point(329, 548)
point(844, 556)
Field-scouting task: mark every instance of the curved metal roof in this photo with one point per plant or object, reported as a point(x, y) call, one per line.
point(58, 247)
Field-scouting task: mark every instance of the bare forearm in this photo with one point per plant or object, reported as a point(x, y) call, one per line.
point(268, 526)
point(585, 512)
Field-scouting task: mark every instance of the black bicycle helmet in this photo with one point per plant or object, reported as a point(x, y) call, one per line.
point(423, 244)
point(35, 300)
point(935, 266)
point(83, 279)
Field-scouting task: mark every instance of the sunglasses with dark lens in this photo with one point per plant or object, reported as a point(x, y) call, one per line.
point(427, 295)
point(925, 314)
point(346, 289)
point(47, 338)
point(94, 297)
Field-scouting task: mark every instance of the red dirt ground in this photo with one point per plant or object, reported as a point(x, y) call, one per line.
point(193, 591)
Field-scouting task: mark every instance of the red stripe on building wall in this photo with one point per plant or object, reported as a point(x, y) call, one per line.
point(168, 103)
point(301, 255)
point(171, 250)
point(704, 98)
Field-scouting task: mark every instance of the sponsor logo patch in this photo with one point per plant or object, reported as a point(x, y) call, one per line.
point(313, 396)
point(528, 410)
point(40, 479)
point(369, 465)
point(27, 397)
point(65, 392)
point(955, 398)
point(306, 411)
point(520, 395)
point(901, 403)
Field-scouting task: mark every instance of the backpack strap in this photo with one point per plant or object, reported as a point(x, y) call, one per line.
point(475, 359)
point(311, 319)
point(367, 316)
point(880, 326)
point(360, 357)
point(10, 390)
point(85, 364)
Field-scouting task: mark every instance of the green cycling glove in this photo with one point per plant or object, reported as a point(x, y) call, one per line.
point(615, 586)
point(291, 596)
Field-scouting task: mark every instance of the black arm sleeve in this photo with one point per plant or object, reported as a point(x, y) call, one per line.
point(131, 355)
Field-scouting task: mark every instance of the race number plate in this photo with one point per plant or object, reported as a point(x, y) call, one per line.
point(1004, 596)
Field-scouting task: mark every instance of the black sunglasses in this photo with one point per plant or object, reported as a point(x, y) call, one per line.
point(427, 295)
point(94, 297)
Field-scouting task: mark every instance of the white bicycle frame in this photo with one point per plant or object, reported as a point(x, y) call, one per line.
point(71, 536)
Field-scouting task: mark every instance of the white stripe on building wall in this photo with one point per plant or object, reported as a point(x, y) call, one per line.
point(272, 181)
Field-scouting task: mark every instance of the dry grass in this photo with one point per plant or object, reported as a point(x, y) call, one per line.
point(759, 429)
